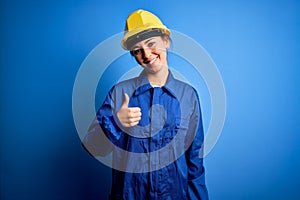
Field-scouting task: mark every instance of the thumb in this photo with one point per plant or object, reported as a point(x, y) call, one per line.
point(125, 100)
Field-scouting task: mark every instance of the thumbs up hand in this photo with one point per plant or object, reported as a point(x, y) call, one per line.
point(129, 117)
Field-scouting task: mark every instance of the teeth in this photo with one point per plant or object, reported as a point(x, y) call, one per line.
point(153, 60)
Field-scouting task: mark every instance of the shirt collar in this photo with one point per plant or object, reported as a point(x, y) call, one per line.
point(170, 85)
point(142, 84)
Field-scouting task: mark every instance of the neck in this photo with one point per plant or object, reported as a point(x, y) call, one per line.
point(159, 79)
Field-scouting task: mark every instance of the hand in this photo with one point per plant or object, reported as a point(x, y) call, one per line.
point(129, 117)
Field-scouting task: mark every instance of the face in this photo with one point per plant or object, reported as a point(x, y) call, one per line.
point(151, 53)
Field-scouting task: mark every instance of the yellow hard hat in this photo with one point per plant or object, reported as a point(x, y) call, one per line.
point(142, 24)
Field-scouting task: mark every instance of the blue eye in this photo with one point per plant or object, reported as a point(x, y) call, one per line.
point(150, 44)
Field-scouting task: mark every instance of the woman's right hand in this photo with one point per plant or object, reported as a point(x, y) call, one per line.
point(129, 117)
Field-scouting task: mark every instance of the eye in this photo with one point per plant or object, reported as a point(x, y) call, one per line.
point(151, 44)
point(136, 51)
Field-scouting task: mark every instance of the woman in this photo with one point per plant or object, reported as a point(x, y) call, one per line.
point(153, 123)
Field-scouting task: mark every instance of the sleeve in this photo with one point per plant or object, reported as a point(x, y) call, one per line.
point(103, 132)
point(196, 174)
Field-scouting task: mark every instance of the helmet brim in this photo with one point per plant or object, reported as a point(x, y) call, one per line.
point(137, 35)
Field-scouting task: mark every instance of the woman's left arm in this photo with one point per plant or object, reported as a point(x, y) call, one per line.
point(196, 174)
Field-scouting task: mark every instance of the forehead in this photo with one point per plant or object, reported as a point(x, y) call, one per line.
point(146, 41)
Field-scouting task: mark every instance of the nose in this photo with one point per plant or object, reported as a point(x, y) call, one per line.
point(146, 53)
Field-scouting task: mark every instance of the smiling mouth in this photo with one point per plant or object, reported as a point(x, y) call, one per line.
point(151, 61)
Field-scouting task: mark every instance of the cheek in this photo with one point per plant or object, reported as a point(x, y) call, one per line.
point(161, 48)
point(163, 53)
point(138, 59)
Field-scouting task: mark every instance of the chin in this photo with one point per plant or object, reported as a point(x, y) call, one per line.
point(153, 69)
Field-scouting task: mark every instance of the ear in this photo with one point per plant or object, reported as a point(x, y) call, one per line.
point(166, 40)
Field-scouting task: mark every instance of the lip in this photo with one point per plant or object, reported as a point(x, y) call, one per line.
point(151, 61)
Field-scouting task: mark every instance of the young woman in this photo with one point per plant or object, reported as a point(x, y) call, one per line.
point(153, 123)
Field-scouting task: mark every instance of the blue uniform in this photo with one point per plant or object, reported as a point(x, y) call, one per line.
point(160, 158)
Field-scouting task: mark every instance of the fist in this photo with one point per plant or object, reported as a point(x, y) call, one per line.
point(129, 117)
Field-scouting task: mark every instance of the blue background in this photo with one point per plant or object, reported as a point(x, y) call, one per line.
point(255, 45)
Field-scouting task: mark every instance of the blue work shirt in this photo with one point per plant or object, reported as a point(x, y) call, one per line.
point(160, 158)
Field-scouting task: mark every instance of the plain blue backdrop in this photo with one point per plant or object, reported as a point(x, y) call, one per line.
point(255, 45)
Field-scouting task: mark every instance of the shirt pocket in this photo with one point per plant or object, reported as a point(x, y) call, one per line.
point(178, 129)
point(182, 124)
point(173, 141)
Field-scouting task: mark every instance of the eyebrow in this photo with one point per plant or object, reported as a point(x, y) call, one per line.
point(146, 42)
